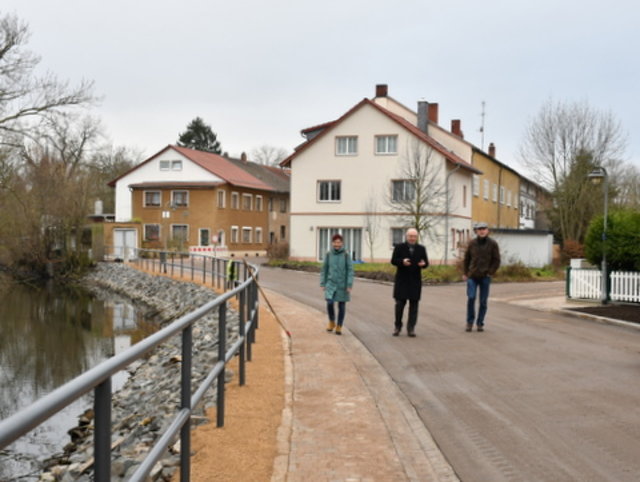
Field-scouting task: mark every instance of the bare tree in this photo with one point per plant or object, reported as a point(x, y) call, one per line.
point(371, 222)
point(562, 143)
point(24, 97)
point(419, 194)
point(628, 188)
point(268, 155)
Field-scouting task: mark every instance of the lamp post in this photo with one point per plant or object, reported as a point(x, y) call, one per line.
point(597, 176)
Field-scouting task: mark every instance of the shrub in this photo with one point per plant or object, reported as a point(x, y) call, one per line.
point(278, 250)
point(623, 240)
point(571, 249)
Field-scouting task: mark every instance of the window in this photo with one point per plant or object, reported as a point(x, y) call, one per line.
point(464, 196)
point(234, 234)
point(180, 232)
point(246, 234)
point(270, 204)
point(403, 191)
point(176, 165)
point(152, 198)
point(258, 203)
point(247, 201)
point(515, 201)
point(235, 200)
point(283, 205)
point(328, 190)
point(501, 194)
point(486, 189)
point(205, 237)
point(476, 185)
point(352, 241)
point(180, 198)
point(165, 165)
point(347, 146)
point(283, 233)
point(258, 235)
point(220, 241)
point(221, 198)
point(386, 144)
point(495, 193)
point(508, 198)
point(397, 236)
point(151, 232)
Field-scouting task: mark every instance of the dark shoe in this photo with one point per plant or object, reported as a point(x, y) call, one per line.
point(396, 332)
point(469, 327)
point(412, 334)
point(480, 328)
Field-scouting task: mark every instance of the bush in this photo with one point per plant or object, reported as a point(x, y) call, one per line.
point(514, 272)
point(623, 240)
point(278, 250)
point(571, 249)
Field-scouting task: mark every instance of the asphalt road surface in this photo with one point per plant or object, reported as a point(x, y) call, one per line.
point(537, 396)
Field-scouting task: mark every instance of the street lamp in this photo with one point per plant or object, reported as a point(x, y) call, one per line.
point(597, 176)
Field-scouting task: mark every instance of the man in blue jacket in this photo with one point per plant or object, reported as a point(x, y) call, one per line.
point(409, 258)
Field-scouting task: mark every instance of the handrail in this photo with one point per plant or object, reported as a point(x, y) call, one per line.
point(98, 378)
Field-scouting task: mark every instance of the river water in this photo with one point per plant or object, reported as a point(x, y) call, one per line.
point(48, 336)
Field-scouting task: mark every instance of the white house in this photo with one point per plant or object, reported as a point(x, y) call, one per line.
point(350, 177)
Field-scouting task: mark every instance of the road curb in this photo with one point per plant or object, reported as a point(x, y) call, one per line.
point(596, 318)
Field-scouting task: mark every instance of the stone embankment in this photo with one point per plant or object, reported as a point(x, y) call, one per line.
point(148, 401)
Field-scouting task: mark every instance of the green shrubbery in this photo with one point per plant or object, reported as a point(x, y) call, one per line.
point(622, 244)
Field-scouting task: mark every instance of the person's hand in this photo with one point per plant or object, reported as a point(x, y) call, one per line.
point(421, 263)
point(464, 277)
point(348, 290)
point(406, 262)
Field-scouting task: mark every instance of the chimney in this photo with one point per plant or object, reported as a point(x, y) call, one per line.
point(423, 108)
point(492, 149)
point(382, 90)
point(243, 157)
point(455, 128)
point(433, 112)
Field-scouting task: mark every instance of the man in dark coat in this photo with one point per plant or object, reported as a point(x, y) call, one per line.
point(481, 261)
point(410, 258)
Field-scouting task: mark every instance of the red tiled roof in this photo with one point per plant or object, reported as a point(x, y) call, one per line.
point(185, 184)
point(452, 157)
point(215, 164)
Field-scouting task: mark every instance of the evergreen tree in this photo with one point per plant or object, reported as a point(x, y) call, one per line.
point(200, 136)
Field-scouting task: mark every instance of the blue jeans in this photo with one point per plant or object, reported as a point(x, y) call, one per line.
point(472, 290)
point(341, 311)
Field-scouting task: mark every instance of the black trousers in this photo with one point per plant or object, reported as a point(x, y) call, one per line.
point(413, 313)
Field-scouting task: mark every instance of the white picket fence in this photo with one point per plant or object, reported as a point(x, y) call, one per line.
point(585, 284)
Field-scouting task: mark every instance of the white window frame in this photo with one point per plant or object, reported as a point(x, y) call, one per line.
point(334, 188)
point(234, 234)
point(222, 198)
point(258, 237)
point(386, 145)
point(476, 185)
point(173, 198)
point(200, 231)
point(245, 197)
point(487, 188)
point(258, 202)
point(176, 165)
point(346, 145)
point(502, 194)
point(174, 226)
point(165, 165)
point(405, 197)
point(495, 192)
point(235, 200)
point(247, 229)
point(144, 199)
point(393, 232)
point(509, 197)
point(144, 231)
point(283, 205)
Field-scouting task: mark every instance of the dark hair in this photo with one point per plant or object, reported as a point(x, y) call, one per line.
point(336, 236)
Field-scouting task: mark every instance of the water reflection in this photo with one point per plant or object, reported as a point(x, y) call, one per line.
point(49, 335)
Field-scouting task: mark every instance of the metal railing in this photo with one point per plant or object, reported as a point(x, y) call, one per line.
point(99, 377)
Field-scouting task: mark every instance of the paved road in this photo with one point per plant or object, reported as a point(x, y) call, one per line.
point(537, 396)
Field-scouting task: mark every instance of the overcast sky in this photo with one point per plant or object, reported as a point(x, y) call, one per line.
point(259, 71)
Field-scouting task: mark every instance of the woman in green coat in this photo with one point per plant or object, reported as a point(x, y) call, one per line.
point(336, 279)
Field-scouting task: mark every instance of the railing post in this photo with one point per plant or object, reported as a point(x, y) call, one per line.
point(204, 270)
point(102, 432)
point(192, 266)
point(181, 266)
point(568, 282)
point(243, 316)
point(213, 272)
point(185, 402)
point(222, 341)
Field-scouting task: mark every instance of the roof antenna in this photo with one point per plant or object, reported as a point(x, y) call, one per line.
point(482, 114)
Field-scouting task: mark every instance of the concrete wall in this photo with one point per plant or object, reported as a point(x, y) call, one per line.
point(533, 248)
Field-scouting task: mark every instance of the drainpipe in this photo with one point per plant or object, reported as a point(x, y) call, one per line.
point(446, 215)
